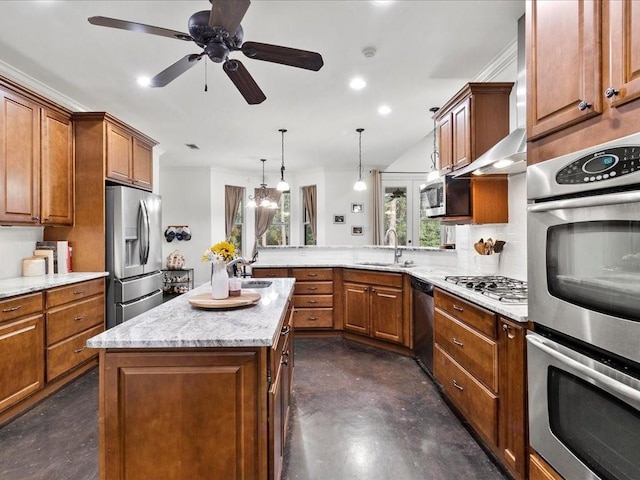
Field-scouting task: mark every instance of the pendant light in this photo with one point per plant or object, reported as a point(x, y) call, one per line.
point(262, 198)
point(282, 186)
point(360, 185)
point(435, 156)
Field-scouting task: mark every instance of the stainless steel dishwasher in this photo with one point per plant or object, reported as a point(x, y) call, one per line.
point(422, 298)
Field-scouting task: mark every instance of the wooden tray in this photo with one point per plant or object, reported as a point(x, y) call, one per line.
point(204, 300)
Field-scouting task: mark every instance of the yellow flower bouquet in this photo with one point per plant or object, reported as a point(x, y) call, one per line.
point(219, 253)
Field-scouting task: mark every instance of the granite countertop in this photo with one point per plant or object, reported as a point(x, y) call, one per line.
point(433, 275)
point(11, 287)
point(176, 324)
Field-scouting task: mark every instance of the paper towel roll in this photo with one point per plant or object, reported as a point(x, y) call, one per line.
point(33, 266)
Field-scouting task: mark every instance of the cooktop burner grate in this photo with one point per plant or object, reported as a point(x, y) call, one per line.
point(503, 289)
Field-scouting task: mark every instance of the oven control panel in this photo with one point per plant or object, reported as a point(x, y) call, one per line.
point(600, 166)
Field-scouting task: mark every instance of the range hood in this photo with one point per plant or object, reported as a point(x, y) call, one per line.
point(512, 149)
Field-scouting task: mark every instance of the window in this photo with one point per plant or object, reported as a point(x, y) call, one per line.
point(308, 233)
point(278, 231)
point(236, 233)
point(430, 232)
point(234, 196)
point(395, 212)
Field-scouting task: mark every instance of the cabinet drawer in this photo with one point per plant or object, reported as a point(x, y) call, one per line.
point(475, 352)
point(20, 306)
point(77, 291)
point(313, 318)
point(373, 278)
point(475, 402)
point(66, 321)
point(72, 352)
point(302, 274)
point(312, 301)
point(473, 315)
point(313, 288)
point(270, 272)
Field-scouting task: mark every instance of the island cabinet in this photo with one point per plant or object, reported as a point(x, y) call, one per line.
point(21, 348)
point(36, 159)
point(479, 361)
point(593, 98)
point(471, 122)
point(376, 305)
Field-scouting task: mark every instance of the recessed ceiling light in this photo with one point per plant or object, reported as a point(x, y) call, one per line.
point(384, 109)
point(382, 3)
point(357, 83)
point(144, 81)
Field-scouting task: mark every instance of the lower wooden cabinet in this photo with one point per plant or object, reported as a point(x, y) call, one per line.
point(541, 470)
point(480, 361)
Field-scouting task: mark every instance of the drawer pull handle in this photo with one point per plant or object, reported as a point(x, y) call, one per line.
point(284, 361)
point(312, 275)
point(79, 292)
point(313, 301)
point(78, 350)
point(312, 289)
point(312, 319)
point(285, 330)
point(458, 342)
point(459, 387)
point(12, 309)
point(285, 354)
point(81, 317)
point(457, 308)
point(272, 275)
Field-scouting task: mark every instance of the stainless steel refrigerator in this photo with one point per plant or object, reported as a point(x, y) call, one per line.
point(134, 252)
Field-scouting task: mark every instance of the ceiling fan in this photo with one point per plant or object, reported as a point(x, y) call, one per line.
point(218, 32)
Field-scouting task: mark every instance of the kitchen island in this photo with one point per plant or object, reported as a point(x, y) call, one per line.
point(190, 393)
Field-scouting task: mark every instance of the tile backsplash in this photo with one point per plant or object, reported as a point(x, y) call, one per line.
point(15, 244)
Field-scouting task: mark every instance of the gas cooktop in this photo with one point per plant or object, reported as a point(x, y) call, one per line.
point(503, 289)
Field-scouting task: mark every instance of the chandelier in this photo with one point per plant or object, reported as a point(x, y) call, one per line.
point(262, 197)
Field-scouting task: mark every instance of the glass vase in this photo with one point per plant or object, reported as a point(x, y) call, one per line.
point(219, 281)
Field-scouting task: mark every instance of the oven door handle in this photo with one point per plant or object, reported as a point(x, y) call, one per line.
point(593, 201)
point(594, 376)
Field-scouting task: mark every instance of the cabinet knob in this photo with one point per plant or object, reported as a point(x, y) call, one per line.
point(36, 218)
point(366, 289)
point(373, 289)
point(46, 219)
point(611, 92)
point(284, 361)
point(583, 105)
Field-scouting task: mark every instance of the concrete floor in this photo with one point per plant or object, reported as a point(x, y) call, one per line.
point(357, 413)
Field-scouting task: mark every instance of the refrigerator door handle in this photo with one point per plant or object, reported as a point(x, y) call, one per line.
point(144, 227)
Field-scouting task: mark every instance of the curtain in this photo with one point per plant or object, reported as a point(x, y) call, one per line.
point(232, 198)
point(378, 205)
point(264, 217)
point(309, 196)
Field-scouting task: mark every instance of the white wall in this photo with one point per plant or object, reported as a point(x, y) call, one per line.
point(15, 244)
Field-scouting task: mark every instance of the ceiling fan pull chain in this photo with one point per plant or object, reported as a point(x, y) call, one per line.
point(206, 88)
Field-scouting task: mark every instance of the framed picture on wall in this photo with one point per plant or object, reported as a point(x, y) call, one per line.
point(356, 230)
point(357, 208)
point(338, 219)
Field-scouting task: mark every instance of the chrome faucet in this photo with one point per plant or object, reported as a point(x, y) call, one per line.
point(396, 251)
point(234, 262)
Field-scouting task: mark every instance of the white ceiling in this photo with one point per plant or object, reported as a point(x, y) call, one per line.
point(426, 51)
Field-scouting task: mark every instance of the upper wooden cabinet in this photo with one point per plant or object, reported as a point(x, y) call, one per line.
point(473, 121)
point(584, 93)
point(36, 160)
point(129, 156)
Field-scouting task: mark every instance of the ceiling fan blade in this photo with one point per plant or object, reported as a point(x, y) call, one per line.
point(283, 55)
point(174, 71)
point(228, 14)
point(244, 82)
point(138, 27)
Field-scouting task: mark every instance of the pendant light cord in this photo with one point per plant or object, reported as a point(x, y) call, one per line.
point(434, 155)
point(360, 130)
point(282, 167)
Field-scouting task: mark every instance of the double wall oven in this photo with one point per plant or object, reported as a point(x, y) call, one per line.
point(583, 222)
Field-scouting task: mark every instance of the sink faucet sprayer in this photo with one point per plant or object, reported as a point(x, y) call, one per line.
point(396, 251)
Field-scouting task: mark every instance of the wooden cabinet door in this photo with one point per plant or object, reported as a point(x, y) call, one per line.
point(444, 129)
point(142, 164)
point(21, 359)
point(119, 154)
point(461, 118)
point(512, 388)
point(56, 169)
point(206, 424)
point(356, 308)
point(564, 59)
point(276, 425)
point(19, 159)
point(386, 314)
point(624, 15)
point(541, 470)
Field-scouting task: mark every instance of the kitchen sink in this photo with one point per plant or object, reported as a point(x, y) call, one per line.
point(256, 283)
point(386, 264)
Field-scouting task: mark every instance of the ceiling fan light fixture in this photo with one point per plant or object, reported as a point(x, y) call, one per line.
point(143, 81)
point(282, 186)
point(359, 186)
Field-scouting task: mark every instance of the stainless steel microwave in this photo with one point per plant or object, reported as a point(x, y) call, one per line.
point(446, 196)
